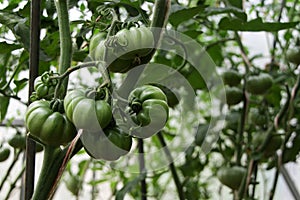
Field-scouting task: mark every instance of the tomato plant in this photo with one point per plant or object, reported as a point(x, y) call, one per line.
point(216, 102)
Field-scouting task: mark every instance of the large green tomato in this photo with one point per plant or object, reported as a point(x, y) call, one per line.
point(232, 177)
point(259, 84)
point(115, 64)
point(149, 109)
point(50, 127)
point(132, 43)
point(123, 50)
point(94, 42)
point(87, 113)
point(109, 145)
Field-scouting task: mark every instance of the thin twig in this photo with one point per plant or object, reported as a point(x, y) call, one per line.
point(171, 166)
point(16, 158)
point(13, 184)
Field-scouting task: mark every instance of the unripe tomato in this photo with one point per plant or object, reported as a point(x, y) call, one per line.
point(234, 95)
point(109, 145)
point(43, 87)
point(18, 141)
point(258, 118)
point(293, 55)
point(272, 146)
point(94, 42)
point(232, 177)
point(259, 84)
point(115, 64)
point(50, 127)
point(87, 113)
point(4, 154)
point(231, 78)
point(149, 109)
point(132, 43)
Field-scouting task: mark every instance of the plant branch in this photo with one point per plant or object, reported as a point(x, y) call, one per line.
point(16, 158)
point(13, 184)
point(171, 166)
point(142, 169)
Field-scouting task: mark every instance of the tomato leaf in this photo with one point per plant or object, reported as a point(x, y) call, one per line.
point(184, 14)
point(236, 11)
point(4, 102)
point(257, 24)
point(129, 186)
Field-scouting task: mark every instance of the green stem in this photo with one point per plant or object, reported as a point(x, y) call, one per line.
point(49, 170)
point(13, 184)
point(171, 166)
point(65, 40)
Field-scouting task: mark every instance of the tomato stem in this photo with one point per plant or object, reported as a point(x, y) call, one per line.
point(65, 41)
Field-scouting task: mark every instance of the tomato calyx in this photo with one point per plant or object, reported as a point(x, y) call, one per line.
point(57, 105)
point(136, 107)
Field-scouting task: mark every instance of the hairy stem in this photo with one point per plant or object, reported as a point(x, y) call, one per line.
point(65, 40)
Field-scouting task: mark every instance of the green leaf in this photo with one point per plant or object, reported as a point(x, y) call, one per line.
point(257, 24)
point(185, 14)
point(21, 30)
point(236, 11)
point(129, 186)
point(8, 48)
point(236, 3)
point(4, 102)
point(20, 84)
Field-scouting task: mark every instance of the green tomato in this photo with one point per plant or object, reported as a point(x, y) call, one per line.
point(231, 78)
point(18, 141)
point(50, 127)
point(110, 145)
point(258, 118)
point(114, 63)
point(44, 89)
point(149, 109)
point(293, 55)
point(94, 42)
point(234, 95)
point(259, 84)
point(272, 146)
point(87, 113)
point(172, 99)
point(232, 177)
point(132, 43)
point(4, 154)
